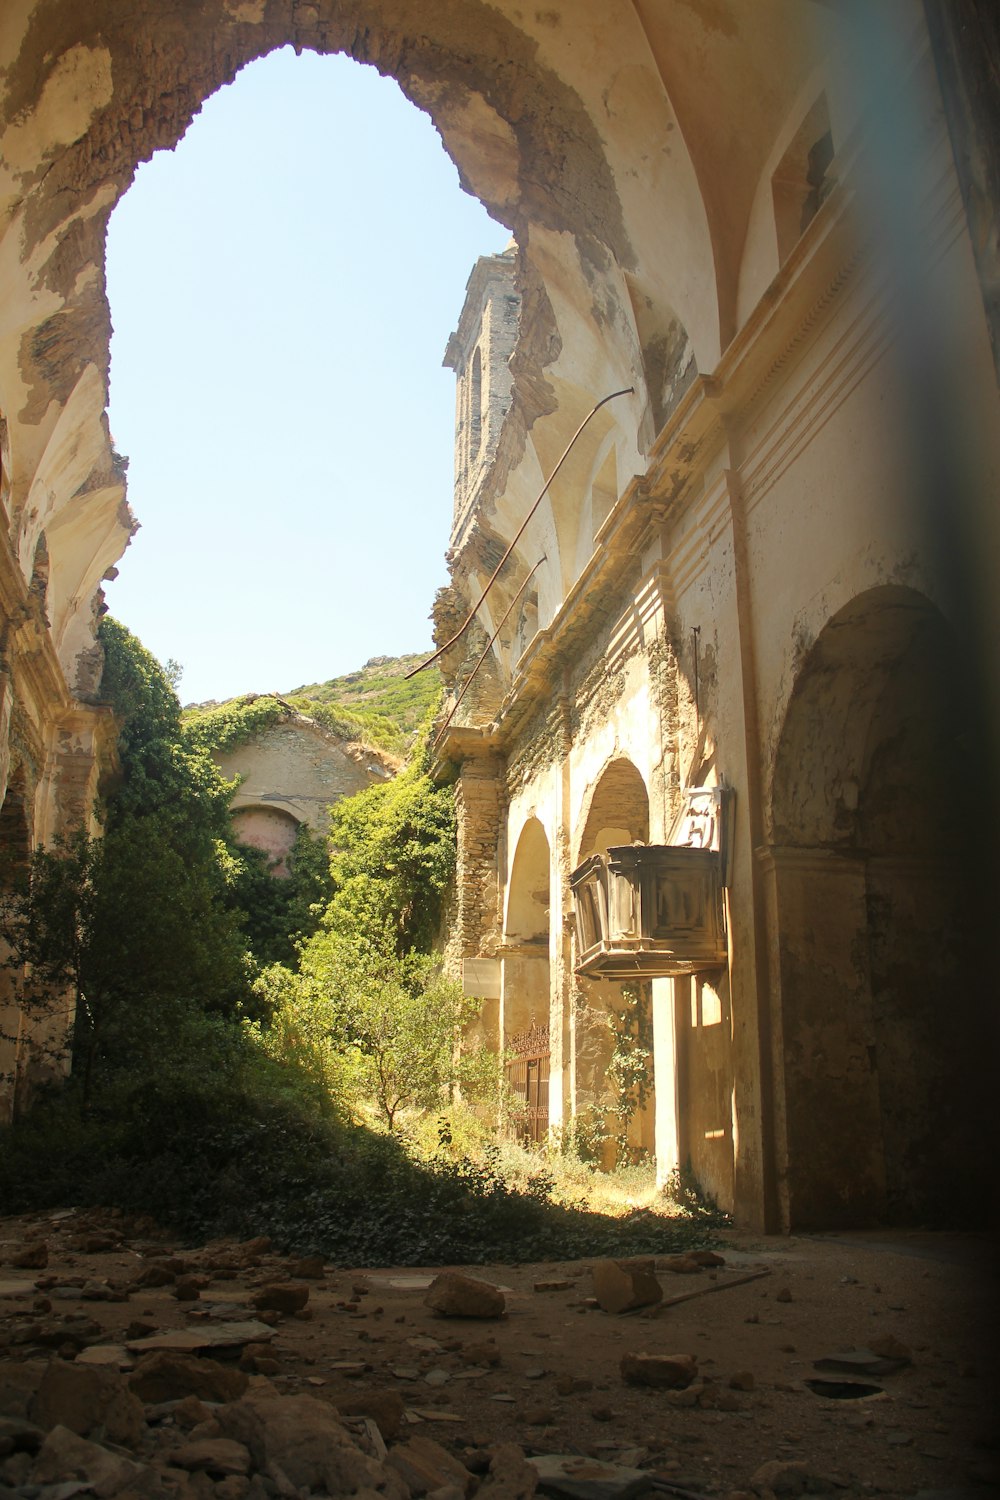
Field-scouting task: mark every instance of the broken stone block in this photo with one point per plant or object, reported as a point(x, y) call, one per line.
point(281, 1296)
point(511, 1476)
point(299, 1442)
point(219, 1457)
point(426, 1466)
point(385, 1408)
point(453, 1295)
point(64, 1455)
point(155, 1274)
point(86, 1399)
point(581, 1478)
point(621, 1285)
point(229, 1336)
point(780, 1478)
point(707, 1257)
point(310, 1268)
point(682, 1265)
point(33, 1256)
point(235, 1487)
point(665, 1371)
point(171, 1375)
point(18, 1435)
point(111, 1356)
point(481, 1354)
point(190, 1412)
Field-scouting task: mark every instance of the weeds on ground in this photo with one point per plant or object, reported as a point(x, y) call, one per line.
point(234, 1144)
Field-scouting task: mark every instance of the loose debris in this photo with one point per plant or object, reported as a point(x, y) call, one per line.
point(286, 1378)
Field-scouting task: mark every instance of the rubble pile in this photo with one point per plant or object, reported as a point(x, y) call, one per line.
point(133, 1368)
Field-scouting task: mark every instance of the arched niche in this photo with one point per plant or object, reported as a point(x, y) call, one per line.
point(269, 828)
point(618, 811)
point(878, 1028)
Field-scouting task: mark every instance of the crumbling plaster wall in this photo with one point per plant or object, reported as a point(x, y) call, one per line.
point(301, 768)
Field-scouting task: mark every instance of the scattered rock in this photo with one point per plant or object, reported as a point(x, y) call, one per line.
point(88, 1399)
point(682, 1265)
point(385, 1408)
point(452, 1295)
point(155, 1274)
point(18, 1435)
point(310, 1268)
point(481, 1354)
point(426, 1466)
point(562, 1285)
point(665, 1371)
point(301, 1442)
point(64, 1455)
point(573, 1385)
point(621, 1285)
point(582, 1478)
point(216, 1456)
point(784, 1294)
point(707, 1257)
point(33, 1256)
point(741, 1380)
point(780, 1478)
point(511, 1476)
point(218, 1336)
point(171, 1375)
point(281, 1296)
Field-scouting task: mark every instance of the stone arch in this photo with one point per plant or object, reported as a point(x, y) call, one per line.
point(618, 811)
point(525, 975)
point(877, 1029)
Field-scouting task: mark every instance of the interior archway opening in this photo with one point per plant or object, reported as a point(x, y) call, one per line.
point(525, 990)
point(614, 1022)
point(282, 285)
point(880, 1030)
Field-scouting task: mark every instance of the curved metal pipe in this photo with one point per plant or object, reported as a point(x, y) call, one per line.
point(629, 391)
point(489, 645)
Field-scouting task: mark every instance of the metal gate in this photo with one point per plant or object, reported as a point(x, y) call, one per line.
point(528, 1077)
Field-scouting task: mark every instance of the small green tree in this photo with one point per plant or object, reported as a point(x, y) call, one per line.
point(395, 1018)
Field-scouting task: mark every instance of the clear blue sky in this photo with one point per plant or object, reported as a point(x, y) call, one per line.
point(282, 286)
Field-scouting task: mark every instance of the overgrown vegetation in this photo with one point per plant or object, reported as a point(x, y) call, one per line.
point(375, 705)
point(242, 1066)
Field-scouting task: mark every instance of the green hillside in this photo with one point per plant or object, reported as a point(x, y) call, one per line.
point(375, 704)
point(379, 690)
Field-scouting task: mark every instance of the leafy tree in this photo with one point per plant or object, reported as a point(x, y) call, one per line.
point(140, 924)
point(394, 857)
point(396, 1019)
point(277, 915)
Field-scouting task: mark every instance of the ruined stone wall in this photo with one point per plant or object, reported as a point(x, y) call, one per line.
point(301, 769)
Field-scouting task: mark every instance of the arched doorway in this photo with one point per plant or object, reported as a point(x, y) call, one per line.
point(613, 1019)
point(525, 995)
point(876, 1035)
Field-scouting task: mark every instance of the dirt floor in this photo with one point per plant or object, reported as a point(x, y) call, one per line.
point(547, 1374)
